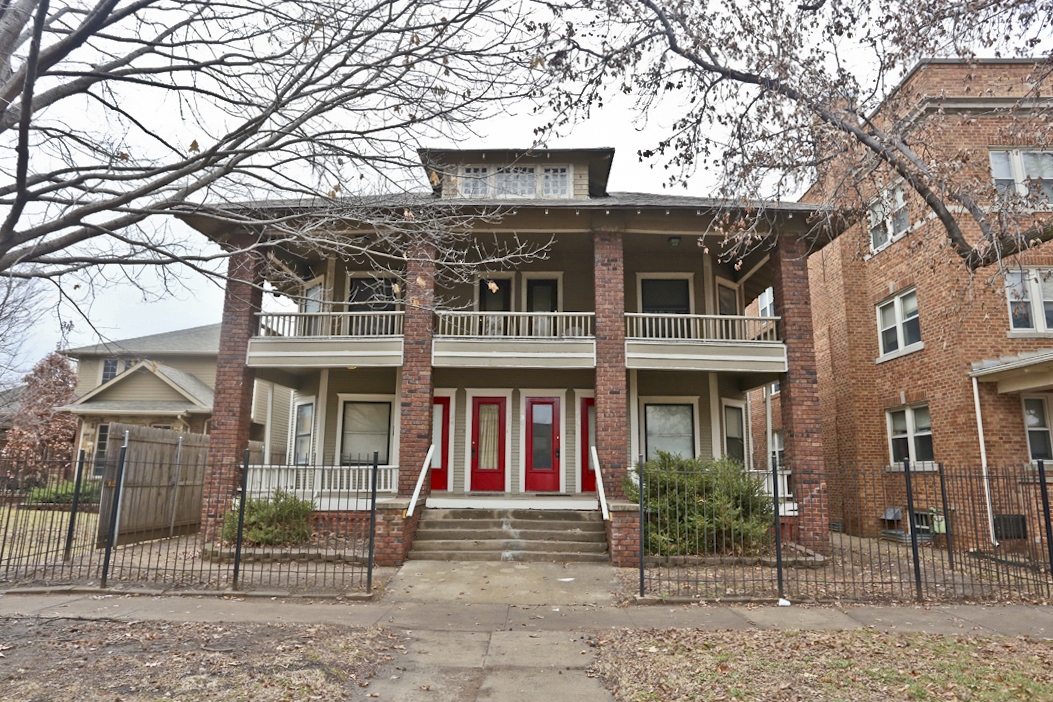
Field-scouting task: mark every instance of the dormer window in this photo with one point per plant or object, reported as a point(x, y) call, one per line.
point(549, 182)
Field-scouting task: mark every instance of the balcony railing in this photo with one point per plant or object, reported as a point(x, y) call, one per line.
point(523, 325)
point(699, 327)
point(323, 324)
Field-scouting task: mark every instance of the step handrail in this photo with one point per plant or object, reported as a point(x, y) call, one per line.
point(420, 481)
point(599, 485)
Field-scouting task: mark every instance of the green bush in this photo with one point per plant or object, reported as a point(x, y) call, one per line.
point(696, 507)
point(62, 494)
point(280, 519)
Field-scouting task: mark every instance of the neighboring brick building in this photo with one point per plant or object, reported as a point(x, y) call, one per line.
point(627, 337)
point(911, 348)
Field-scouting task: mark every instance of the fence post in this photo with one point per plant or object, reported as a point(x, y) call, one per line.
point(115, 513)
point(643, 534)
point(175, 485)
point(778, 523)
point(913, 530)
point(372, 523)
point(66, 552)
point(1045, 511)
point(241, 520)
point(947, 518)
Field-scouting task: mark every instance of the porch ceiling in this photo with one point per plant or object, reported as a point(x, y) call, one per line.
point(1025, 372)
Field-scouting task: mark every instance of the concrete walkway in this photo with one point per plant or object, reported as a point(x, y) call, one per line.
point(509, 632)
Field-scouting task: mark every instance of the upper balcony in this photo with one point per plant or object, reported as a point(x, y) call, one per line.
point(698, 342)
point(514, 340)
point(327, 340)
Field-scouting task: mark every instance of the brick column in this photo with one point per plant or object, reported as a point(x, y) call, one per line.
point(612, 416)
point(416, 390)
point(232, 402)
point(801, 430)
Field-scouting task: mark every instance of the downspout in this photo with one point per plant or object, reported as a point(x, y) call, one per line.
point(983, 461)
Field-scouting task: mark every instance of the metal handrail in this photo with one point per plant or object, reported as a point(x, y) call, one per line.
point(420, 481)
point(599, 485)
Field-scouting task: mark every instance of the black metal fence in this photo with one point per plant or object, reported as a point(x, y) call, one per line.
point(856, 532)
point(61, 523)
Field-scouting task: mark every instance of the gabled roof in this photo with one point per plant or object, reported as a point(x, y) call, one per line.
point(198, 396)
point(194, 341)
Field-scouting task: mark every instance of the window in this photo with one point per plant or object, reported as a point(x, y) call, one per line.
point(311, 321)
point(766, 303)
point(778, 451)
point(735, 432)
point(366, 429)
point(1024, 173)
point(370, 295)
point(303, 424)
point(899, 328)
point(552, 182)
point(1029, 293)
point(910, 435)
point(665, 296)
point(102, 440)
point(111, 368)
point(1036, 419)
point(727, 300)
point(889, 219)
point(669, 428)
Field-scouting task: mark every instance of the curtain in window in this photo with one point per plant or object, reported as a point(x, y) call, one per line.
point(489, 437)
point(365, 431)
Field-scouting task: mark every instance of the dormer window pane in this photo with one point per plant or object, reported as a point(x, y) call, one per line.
point(517, 181)
point(473, 181)
point(555, 182)
point(1002, 171)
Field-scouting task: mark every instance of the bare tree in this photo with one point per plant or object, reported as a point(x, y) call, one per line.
point(18, 308)
point(778, 95)
point(117, 113)
point(39, 429)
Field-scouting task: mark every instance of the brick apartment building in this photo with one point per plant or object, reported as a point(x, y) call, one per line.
point(917, 357)
point(626, 337)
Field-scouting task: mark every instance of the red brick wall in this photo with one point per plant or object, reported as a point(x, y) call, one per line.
point(394, 536)
point(612, 419)
point(623, 537)
point(417, 383)
point(232, 404)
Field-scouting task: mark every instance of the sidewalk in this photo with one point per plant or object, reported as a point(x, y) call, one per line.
point(510, 632)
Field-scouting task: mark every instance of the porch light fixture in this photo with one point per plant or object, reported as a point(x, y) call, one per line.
point(674, 241)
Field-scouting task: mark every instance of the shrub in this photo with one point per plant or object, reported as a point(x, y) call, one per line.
point(696, 507)
point(280, 519)
point(62, 494)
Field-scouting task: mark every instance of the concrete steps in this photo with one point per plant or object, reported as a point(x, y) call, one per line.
point(553, 536)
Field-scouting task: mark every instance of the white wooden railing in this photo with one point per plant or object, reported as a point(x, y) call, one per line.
point(600, 492)
point(529, 325)
point(328, 487)
point(700, 327)
point(420, 481)
point(315, 324)
point(785, 495)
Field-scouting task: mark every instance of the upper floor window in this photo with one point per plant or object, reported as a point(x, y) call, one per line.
point(515, 181)
point(899, 327)
point(1036, 417)
point(1023, 173)
point(766, 303)
point(889, 219)
point(111, 368)
point(910, 435)
point(1029, 293)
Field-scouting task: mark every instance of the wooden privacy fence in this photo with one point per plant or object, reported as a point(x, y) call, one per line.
point(161, 486)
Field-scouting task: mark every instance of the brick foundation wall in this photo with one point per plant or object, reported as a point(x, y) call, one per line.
point(612, 399)
point(394, 537)
point(623, 535)
point(232, 404)
point(417, 383)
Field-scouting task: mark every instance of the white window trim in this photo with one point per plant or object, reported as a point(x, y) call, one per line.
point(469, 424)
point(561, 395)
point(1038, 311)
point(307, 285)
point(524, 277)
point(580, 395)
point(746, 452)
point(122, 365)
point(395, 430)
point(503, 275)
point(1016, 165)
point(897, 302)
point(692, 400)
point(730, 285)
point(899, 199)
point(491, 175)
point(766, 296)
point(450, 425)
point(915, 466)
point(1049, 423)
point(689, 277)
point(291, 452)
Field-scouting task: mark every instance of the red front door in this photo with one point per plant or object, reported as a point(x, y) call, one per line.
point(440, 438)
point(588, 440)
point(488, 443)
point(542, 444)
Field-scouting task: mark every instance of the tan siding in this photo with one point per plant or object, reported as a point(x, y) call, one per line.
point(581, 181)
point(141, 385)
point(201, 367)
point(676, 261)
point(373, 381)
point(89, 370)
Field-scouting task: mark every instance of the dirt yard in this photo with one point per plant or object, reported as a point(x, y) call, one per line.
point(62, 659)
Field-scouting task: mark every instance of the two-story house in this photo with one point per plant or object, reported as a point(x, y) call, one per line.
point(918, 357)
point(628, 337)
point(165, 381)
